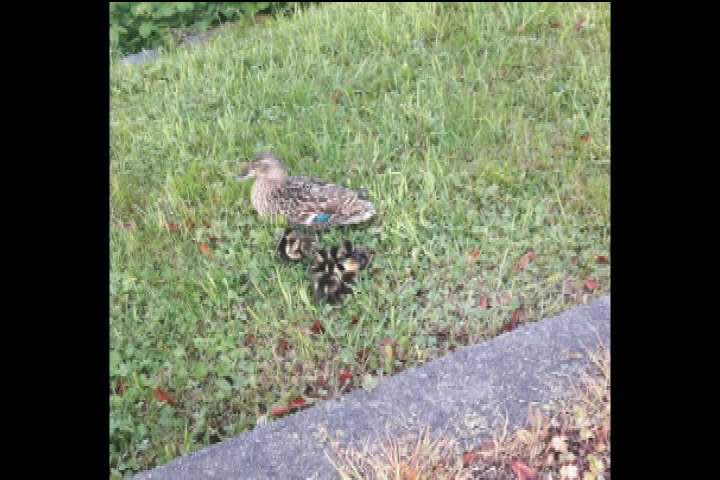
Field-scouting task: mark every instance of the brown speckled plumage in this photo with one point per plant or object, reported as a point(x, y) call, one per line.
point(306, 201)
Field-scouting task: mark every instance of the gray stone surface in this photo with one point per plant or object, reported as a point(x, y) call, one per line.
point(190, 40)
point(469, 393)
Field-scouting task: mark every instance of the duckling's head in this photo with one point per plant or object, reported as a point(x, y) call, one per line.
point(293, 246)
point(350, 264)
point(266, 166)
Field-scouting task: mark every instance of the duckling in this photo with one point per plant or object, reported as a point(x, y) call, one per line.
point(307, 202)
point(333, 276)
point(294, 247)
point(338, 253)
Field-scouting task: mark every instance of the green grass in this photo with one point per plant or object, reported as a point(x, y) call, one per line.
point(466, 122)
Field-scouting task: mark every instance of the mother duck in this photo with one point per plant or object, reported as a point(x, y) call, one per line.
point(306, 201)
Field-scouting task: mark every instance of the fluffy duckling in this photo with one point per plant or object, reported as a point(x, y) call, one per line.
point(307, 202)
point(346, 250)
point(333, 280)
point(294, 247)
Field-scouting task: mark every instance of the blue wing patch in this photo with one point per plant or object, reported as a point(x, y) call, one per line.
point(321, 218)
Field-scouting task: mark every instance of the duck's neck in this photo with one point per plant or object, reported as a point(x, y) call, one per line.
point(262, 192)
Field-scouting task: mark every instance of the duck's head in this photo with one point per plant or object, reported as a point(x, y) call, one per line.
point(266, 166)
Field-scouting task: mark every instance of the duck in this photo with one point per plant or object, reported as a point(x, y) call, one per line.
point(294, 246)
point(307, 202)
point(333, 280)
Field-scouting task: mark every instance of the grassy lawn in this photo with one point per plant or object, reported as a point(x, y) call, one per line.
point(482, 133)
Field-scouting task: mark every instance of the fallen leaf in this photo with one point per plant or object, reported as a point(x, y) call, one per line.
point(173, 227)
point(345, 376)
point(469, 458)
point(555, 25)
point(317, 327)
point(206, 250)
point(590, 284)
point(164, 397)
point(282, 347)
point(527, 258)
point(407, 472)
point(484, 302)
point(601, 259)
point(279, 411)
point(362, 354)
point(601, 439)
point(120, 386)
point(523, 472)
point(516, 317)
point(474, 256)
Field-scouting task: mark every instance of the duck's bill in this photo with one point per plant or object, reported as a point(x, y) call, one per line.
point(244, 176)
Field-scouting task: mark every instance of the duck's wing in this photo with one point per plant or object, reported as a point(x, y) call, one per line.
point(319, 204)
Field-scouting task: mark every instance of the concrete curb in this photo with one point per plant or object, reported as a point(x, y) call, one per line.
point(468, 394)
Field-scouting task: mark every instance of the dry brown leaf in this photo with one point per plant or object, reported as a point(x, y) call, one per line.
point(407, 472)
point(523, 262)
point(484, 302)
point(206, 250)
point(317, 327)
point(523, 472)
point(474, 256)
point(469, 458)
point(120, 386)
